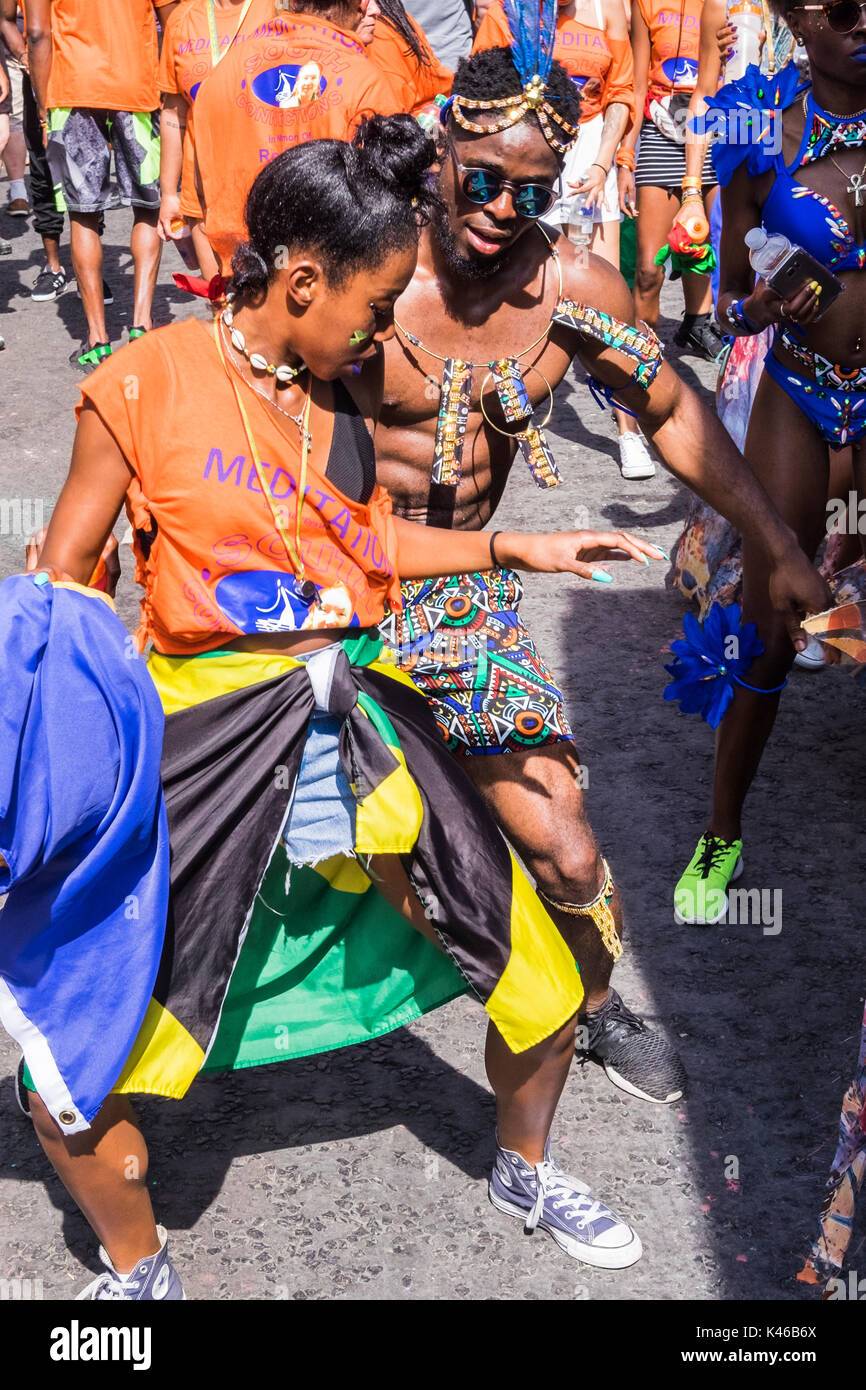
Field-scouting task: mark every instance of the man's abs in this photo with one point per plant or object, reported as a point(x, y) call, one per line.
point(404, 465)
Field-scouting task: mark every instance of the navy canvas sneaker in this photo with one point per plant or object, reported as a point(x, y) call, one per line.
point(151, 1279)
point(549, 1200)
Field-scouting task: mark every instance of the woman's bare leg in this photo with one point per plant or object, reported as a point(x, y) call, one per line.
point(104, 1170)
point(790, 458)
point(527, 1085)
point(656, 209)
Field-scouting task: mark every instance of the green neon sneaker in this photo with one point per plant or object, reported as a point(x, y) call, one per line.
point(89, 355)
point(701, 896)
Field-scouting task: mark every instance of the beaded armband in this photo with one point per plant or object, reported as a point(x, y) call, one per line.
point(737, 319)
point(641, 344)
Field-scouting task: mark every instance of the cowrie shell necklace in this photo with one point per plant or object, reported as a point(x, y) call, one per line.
point(283, 375)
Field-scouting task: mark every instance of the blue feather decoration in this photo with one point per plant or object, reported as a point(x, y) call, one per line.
point(533, 35)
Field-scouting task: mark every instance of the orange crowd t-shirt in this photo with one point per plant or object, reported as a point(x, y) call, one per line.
point(218, 564)
point(675, 43)
point(104, 54)
point(423, 82)
point(297, 78)
point(186, 61)
point(601, 66)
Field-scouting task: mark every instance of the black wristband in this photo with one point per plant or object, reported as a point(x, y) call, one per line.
point(496, 565)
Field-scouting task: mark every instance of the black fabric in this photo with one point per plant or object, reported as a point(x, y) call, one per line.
point(352, 461)
point(228, 769)
point(47, 221)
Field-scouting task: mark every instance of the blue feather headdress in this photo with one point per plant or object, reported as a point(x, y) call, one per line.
point(533, 35)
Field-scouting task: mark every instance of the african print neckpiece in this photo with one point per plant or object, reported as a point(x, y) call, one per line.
point(830, 132)
point(507, 377)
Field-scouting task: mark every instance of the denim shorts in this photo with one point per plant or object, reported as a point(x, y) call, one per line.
point(320, 821)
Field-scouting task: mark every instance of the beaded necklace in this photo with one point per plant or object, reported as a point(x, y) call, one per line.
point(506, 374)
point(829, 131)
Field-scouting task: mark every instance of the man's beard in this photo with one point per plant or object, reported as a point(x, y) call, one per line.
point(464, 267)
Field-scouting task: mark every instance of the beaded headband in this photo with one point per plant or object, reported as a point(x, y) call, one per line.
point(533, 34)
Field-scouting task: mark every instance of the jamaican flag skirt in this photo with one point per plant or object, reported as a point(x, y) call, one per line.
point(265, 960)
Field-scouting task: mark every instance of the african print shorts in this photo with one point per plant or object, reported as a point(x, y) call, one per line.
point(80, 142)
point(462, 642)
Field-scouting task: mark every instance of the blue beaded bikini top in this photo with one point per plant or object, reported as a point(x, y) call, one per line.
point(805, 217)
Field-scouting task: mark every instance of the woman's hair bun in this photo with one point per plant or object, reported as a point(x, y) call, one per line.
point(397, 151)
point(250, 271)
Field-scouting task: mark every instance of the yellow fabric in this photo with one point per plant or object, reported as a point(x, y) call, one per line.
point(539, 989)
point(395, 802)
point(83, 589)
point(183, 681)
point(165, 1058)
point(344, 875)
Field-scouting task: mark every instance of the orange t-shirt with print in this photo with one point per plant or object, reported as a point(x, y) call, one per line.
point(103, 54)
point(186, 61)
point(675, 44)
point(297, 78)
point(208, 551)
point(602, 67)
point(423, 82)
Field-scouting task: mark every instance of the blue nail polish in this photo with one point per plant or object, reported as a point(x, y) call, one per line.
point(41, 579)
point(662, 552)
point(601, 577)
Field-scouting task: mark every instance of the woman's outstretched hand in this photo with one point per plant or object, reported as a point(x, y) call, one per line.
point(573, 552)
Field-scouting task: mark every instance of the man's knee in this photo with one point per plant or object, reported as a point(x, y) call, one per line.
point(569, 873)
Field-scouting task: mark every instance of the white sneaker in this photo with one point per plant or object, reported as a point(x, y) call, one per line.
point(811, 658)
point(635, 460)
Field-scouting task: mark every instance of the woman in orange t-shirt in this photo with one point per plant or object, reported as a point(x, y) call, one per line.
point(186, 60)
point(666, 42)
point(268, 554)
point(402, 49)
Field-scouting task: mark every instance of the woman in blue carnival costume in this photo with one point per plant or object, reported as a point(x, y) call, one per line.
point(793, 159)
point(298, 768)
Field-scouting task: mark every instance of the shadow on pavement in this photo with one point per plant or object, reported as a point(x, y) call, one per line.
point(767, 1020)
point(396, 1080)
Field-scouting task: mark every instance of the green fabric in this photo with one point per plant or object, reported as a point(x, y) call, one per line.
point(148, 139)
point(349, 970)
point(346, 968)
point(336, 968)
point(628, 249)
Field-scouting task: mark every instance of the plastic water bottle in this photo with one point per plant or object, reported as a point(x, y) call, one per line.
point(580, 224)
point(748, 19)
point(766, 252)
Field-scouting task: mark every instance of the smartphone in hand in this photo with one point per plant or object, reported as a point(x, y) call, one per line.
point(796, 270)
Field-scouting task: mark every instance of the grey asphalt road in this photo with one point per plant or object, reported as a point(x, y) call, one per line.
point(362, 1174)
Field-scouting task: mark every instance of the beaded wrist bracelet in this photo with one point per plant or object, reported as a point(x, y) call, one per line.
point(737, 319)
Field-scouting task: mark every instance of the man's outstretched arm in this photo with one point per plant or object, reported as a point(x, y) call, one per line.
point(695, 446)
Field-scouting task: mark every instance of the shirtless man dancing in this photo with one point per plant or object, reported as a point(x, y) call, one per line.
point(498, 309)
